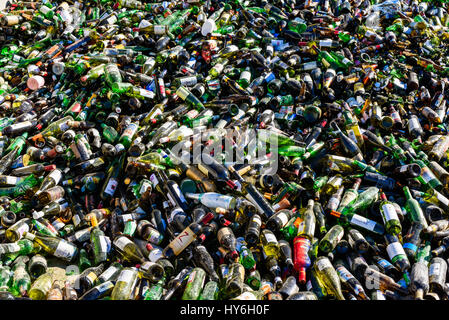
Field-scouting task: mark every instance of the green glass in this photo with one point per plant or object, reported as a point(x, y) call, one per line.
point(84, 261)
point(389, 216)
point(21, 280)
point(414, 208)
point(331, 239)
point(125, 284)
point(328, 276)
point(194, 284)
point(109, 133)
point(307, 228)
point(210, 291)
point(155, 291)
point(363, 201)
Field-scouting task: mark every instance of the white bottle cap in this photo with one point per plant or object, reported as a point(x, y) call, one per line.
point(209, 26)
point(35, 82)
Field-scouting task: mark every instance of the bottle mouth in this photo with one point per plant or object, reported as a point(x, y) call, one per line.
point(415, 169)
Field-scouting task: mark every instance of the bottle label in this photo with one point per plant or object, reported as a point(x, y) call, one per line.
point(182, 241)
point(333, 203)
point(108, 273)
point(129, 131)
point(110, 188)
point(410, 246)
point(178, 192)
point(58, 224)
point(434, 269)
point(363, 222)
point(103, 244)
point(256, 220)
point(155, 255)
point(159, 30)
point(442, 198)
point(170, 198)
point(65, 250)
point(352, 135)
point(395, 249)
point(92, 277)
point(343, 273)
point(427, 175)
point(102, 287)
point(9, 247)
point(126, 276)
point(154, 237)
point(174, 213)
point(154, 180)
point(309, 285)
point(384, 263)
point(127, 217)
point(323, 264)
point(310, 66)
point(121, 242)
point(283, 219)
point(23, 228)
point(270, 238)
point(389, 213)
point(326, 43)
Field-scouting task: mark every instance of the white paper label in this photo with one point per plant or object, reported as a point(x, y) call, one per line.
point(326, 43)
point(108, 273)
point(427, 175)
point(9, 247)
point(126, 276)
point(154, 180)
point(323, 263)
point(434, 269)
point(270, 237)
point(103, 244)
point(155, 255)
point(121, 242)
point(182, 241)
point(284, 219)
point(389, 213)
point(65, 250)
point(363, 222)
point(110, 188)
point(159, 30)
point(394, 249)
point(309, 66)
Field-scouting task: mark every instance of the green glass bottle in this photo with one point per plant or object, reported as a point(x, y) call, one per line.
point(414, 208)
point(194, 284)
point(389, 216)
point(363, 201)
point(350, 195)
point(155, 291)
point(125, 284)
point(109, 133)
point(5, 278)
point(112, 179)
point(332, 237)
point(41, 286)
point(327, 275)
point(210, 291)
point(307, 227)
point(98, 240)
point(21, 279)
